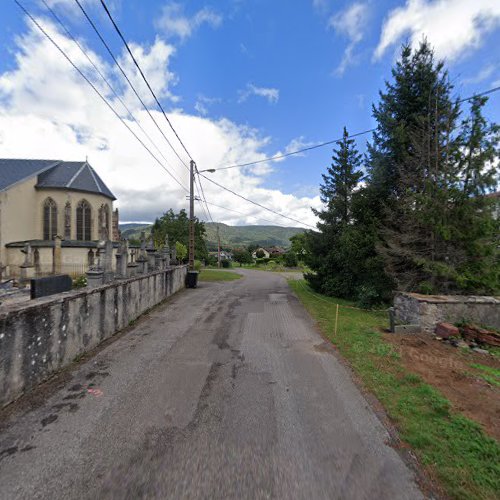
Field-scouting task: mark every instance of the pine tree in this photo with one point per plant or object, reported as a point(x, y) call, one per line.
point(342, 254)
point(426, 174)
point(340, 181)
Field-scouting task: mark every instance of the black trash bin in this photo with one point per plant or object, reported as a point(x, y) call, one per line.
point(192, 279)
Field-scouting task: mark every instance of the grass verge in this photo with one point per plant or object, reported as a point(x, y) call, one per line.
point(213, 275)
point(453, 448)
point(487, 373)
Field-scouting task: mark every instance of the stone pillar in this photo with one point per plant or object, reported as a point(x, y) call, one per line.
point(142, 260)
point(150, 251)
point(57, 255)
point(131, 269)
point(166, 253)
point(173, 253)
point(107, 262)
point(158, 261)
point(95, 277)
point(122, 259)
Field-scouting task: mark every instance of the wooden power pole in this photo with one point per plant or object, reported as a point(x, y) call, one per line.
point(191, 216)
point(218, 247)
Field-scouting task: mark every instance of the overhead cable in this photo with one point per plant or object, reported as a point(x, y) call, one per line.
point(96, 91)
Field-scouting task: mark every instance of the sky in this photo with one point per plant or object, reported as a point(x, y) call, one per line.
point(240, 80)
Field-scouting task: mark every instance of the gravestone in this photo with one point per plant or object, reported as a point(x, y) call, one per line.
point(150, 250)
point(49, 285)
point(122, 259)
point(142, 260)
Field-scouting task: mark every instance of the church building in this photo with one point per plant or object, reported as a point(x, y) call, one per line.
point(49, 204)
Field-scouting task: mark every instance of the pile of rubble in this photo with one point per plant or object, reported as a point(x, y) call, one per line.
point(468, 336)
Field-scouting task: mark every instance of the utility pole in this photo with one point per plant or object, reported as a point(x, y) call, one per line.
point(191, 215)
point(218, 250)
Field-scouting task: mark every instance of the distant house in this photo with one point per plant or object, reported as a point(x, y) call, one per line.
point(260, 250)
point(223, 255)
point(276, 251)
point(41, 200)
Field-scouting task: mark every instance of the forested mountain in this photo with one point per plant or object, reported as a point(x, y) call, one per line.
point(231, 236)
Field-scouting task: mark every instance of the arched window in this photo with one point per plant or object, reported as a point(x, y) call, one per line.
point(103, 220)
point(83, 221)
point(49, 219)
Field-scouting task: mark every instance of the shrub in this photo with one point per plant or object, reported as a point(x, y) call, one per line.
point(226, 263)
point(197, 265)
point(211, 260)
point(80, 282)
point(290, 259)
point(368, 297)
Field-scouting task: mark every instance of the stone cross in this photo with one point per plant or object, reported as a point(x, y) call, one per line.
point(174, 255)
point(28, 256)
point(122, 259)
point(166, 252)
point(143, 243)
point(142, 260)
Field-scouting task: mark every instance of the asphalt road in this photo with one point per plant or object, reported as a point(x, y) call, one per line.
point(226, 391)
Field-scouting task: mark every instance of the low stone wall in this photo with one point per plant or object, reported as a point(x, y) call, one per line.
point(428, 310)
point(42, 336)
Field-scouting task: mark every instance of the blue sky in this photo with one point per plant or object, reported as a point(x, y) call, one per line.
point(268, 74)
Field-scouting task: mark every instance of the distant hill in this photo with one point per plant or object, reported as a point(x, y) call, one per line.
point(242, 236)
point(133, 230)
point(231, 236)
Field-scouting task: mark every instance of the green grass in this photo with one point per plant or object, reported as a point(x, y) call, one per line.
point(464, 459)
point(216, 275)
point(487, 373)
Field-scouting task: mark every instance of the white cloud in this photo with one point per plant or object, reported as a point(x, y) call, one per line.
point(203, 103)
point(483, 75)
point(320, 5)
point(271, 94)
point(48, 111)
point(173, 21)
point(451, 26)
point(350, 23)
point(294, 145)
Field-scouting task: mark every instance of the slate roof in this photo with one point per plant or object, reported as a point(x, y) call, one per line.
point(53, 174)
point(14, 171)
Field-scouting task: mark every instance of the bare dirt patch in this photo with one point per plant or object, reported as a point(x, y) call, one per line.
point(449, 369)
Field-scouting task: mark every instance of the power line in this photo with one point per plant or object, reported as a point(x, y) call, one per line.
point(203, 191)
point(106, 81)
point(110, 52)
point(256, 203)
point(204, 198)
point(143, 77)
point(333, 141)
point(95, 90)
point(481, 94)
point(291, 153)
